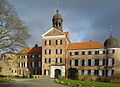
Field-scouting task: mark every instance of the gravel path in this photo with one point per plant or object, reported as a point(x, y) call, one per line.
point(33, 83)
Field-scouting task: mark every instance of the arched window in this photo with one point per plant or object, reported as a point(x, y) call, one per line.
point(59, 24)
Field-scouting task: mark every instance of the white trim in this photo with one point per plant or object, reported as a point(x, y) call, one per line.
point(51, 30)
point(57, 36)
point(86, 50)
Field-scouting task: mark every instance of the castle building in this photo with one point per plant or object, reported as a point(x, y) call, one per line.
point(58, 55)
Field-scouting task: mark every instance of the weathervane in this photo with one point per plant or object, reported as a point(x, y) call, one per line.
point(57, 4)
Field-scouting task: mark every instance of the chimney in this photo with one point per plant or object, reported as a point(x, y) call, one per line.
point(36, 45)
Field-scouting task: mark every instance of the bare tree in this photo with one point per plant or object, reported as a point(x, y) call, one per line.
point(13, 33)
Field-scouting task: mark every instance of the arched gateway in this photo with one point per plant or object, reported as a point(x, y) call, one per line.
point(57, 71)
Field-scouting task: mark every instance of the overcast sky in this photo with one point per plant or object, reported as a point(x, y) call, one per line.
point(84, 19)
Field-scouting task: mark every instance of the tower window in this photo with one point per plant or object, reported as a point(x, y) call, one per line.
point(58, 51)
point(59, 24)
point(47, 42)
point(58, 42)
point(58, 60)
point(47, 60)
point(48, 51)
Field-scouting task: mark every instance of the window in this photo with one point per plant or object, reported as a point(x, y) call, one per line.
point(25, 64)
point(39, 64)
point(100, 72)
point(25, 56)
point(85, 72)
point(20, 64)
point(13, 71)
point(83, 53)
point(72, 62)
point(86, 62)
point(76, 53)
point(46, 72)
point(110, 62)
point(100, 62)
point(111, 51)
point(89, 62)
point(92, 72)
point(20, 57)
point(47, 60)
point(58, 42)
point(58, 51)
point(83, 62)
point(89, 52)
point(32, 56)
point(48, 51)
point(93, 52)
point(33, 64)
point(80, 72)
point(86, 52)
point(39, 56)
point(72, 53)
point(104, 52)
point(92, 62)
point(96, 62)
point(76, 62)
point(96, 52)
point(100, 52)
point(79, 62)
point(58, 60)
point(110, 72)
point(47, 42)
point(80, 53)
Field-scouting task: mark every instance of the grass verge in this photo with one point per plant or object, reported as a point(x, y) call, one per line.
point(5, 80)
point(78, 83)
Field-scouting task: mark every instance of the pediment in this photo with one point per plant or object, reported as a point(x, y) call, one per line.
point(53, 32)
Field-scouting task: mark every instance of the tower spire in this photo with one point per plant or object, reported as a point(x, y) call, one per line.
point(57, 19)
point(111, 31)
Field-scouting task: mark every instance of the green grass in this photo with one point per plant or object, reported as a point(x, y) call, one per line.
point(5, 80)
point(76, 83)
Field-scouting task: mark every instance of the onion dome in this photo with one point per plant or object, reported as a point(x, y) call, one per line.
point(111, 42)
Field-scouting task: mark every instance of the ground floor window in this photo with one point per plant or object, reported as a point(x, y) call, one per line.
point(46, 72)
point(108, 72)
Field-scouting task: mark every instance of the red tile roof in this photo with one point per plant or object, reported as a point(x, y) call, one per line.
point(31, 50)
point(65, 32)
point(84, 45)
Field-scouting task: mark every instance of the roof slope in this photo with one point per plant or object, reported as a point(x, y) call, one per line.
point(31, 50)
point(84, 45)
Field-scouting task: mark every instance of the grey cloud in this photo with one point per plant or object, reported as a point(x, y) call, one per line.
point(92, 17)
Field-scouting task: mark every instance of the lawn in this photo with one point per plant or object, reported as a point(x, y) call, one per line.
point(78, 83)
point(5, 80)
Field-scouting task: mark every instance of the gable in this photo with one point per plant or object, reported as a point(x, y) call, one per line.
point(53, 32)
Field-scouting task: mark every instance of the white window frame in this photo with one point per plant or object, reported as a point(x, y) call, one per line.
point(109, 72)
point(39, 64)
point(101, 52)
point(72, 62)
point(100, 62)
point(110, 61)
point(100, 72)
point(79, 62)
point(86, 62)
point(33, 64)
point(92, 72)
point(92, 62)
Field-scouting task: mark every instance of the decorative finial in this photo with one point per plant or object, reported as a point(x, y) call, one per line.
point(57, 11)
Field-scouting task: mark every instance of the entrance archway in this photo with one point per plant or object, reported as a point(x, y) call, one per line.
point(57, 73)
